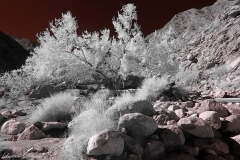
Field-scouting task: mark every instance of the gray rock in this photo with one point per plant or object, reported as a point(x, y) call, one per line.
point(213, 157)
point(48, 126)
point(173, 107)
point(180, 113)
point(196, 126)
point(236, 138)
point(217, 145)
point(106, 142)
point(180, 156)
point(138, 126)
point(153, 148)
point(31, 133)
point(161, 119)
point(211, 105)
point(229, 124)
point(190, 149)
point(211, 118)
point(144, 107)
point(233, 108)
point(171, 122)
point(171, 135)
point(12, 127)
point(132, 147)
point(172, 115)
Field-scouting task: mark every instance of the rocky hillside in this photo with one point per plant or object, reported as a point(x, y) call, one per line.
point(13, 51)
point(207, 41)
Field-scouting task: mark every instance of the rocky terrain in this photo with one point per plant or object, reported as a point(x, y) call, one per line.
point(201, 124)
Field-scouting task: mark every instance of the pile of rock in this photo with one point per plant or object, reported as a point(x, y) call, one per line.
point(165, 130)
point(17, 131)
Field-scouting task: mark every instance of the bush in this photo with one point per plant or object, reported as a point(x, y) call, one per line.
point(58, 107)
point(187, 77)
point(17, 82)
point(152, 88)
point(90, 120)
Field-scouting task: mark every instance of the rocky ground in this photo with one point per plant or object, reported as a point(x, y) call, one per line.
point(198, 128)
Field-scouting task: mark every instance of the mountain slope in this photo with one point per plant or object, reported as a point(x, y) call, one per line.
point(12, 54)
point(205, 41)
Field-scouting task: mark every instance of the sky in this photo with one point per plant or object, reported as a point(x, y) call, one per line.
point(26, 18)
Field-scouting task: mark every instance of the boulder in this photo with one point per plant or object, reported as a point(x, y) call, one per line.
point(180, 156)
point(211, 105)
point(217, 145)
point(131, 147)
point(31, 133)
point(180, 113)
point(12, 127)
point(153, 148)
point(172, 115)
point(233, 108)
point(173, 107)
point(196, 126)
point(210, 151)
point(138, 126)
point(171, 135)
point(171, 122)
point(229, 124)
point(7, 114)
point(161, 119)
point(106, 142)
point(213, 157)
point(228, 157)
point(190, 149)
point(143, 106)
point(211, 118)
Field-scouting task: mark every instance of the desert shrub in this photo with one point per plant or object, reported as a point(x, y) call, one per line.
point(186, 77)
point(17, 83)
point(217, 72)
point(90, 120)
point(58, 107)
point(152, 88)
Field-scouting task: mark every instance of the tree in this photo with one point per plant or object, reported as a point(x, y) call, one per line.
point(63, 54)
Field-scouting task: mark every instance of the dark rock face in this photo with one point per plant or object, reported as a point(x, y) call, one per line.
point(12, 54)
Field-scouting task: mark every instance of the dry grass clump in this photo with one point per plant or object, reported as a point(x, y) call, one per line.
point(58, 107)
point(187, 77)
point(150, 90)
point(90, 120)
